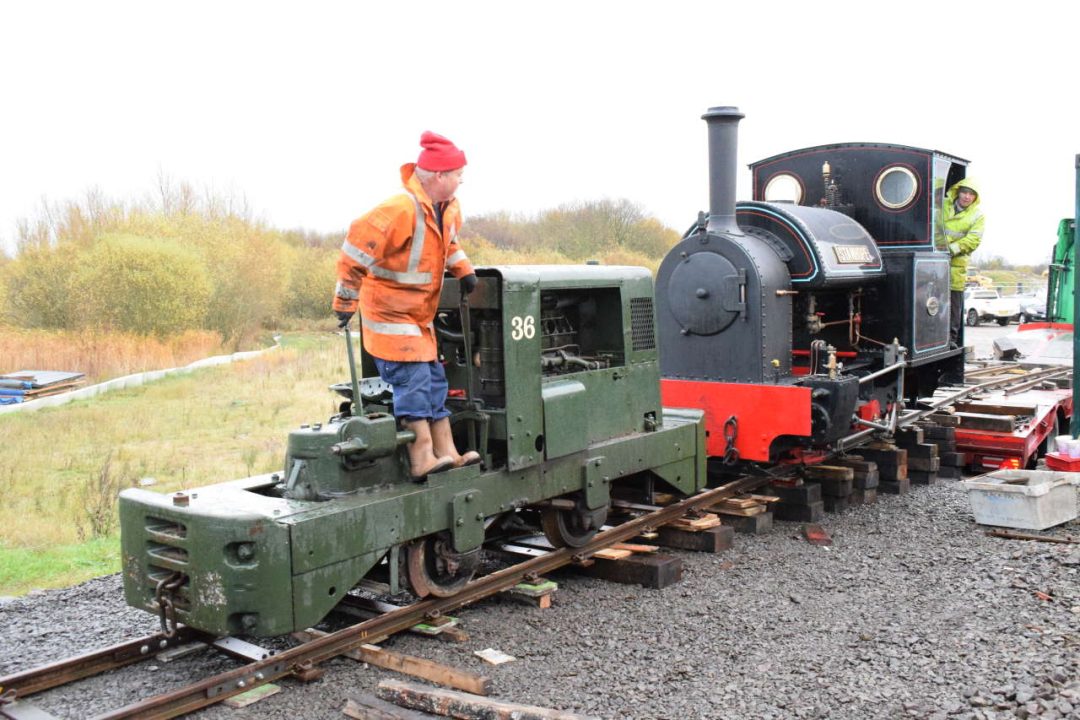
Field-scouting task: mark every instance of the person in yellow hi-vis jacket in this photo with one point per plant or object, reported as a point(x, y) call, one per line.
point(391, 268)
point(963, 222)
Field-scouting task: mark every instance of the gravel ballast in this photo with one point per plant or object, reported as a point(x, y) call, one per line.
point(912, 612)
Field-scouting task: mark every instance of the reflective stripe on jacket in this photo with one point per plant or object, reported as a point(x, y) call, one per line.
point(391, 266)
point(963, 231)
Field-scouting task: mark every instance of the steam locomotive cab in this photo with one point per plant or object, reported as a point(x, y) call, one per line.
point(786, 319)
point(895, 192)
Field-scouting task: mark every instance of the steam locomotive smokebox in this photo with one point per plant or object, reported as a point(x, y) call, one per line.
point(714, 300)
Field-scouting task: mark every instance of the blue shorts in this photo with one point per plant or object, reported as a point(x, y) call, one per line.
point(419, 388)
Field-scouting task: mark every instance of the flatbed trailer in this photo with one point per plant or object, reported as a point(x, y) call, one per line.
point(1016, 423)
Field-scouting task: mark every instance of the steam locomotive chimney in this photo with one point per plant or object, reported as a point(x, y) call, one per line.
point(723, 146)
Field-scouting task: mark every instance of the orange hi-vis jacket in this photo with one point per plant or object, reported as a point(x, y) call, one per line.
point(392, 264)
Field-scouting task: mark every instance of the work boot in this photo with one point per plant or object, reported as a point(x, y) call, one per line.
point(443, 440)
point(422, 459)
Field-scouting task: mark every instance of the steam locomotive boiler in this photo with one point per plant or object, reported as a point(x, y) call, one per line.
point(802, 320)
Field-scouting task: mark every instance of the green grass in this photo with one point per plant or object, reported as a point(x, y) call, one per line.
point(61, 468)
point(26, 569)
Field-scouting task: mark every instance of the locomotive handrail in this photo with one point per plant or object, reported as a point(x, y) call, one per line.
point(357, 398)
point(883, 371)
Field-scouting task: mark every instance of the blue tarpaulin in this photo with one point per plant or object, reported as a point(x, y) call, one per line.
point(26, 385)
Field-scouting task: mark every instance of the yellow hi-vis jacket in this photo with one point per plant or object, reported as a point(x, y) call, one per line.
point(963, 231)
point(391, 266)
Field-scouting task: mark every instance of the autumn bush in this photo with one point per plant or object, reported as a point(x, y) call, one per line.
point(573, 233)
point(311, 281)
point(191, 261)
point(140, 285)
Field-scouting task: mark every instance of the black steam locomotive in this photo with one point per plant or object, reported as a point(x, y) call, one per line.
point(801, 321)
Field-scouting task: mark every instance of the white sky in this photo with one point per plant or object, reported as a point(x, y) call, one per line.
point(308, 109)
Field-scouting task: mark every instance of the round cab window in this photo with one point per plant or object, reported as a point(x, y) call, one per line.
point(896, 187)
point(784, 187)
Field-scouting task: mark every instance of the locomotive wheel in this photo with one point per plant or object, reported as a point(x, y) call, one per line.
point(572, 528)
point(434, 568)
point(972, 317)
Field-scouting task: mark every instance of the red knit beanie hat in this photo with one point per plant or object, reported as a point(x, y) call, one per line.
point(439, 154)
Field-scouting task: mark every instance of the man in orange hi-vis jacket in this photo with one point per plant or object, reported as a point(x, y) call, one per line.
point(391, 266)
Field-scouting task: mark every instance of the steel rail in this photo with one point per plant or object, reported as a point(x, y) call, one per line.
point(989, 384)
point(220, 687)
point(1037, 381)
point(233, 682)
point(75, 668)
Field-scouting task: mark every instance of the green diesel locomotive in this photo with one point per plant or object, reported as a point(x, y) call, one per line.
point(554, 379)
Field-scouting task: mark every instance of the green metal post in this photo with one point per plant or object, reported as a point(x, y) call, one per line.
point(357, 401)
point(1074, 426)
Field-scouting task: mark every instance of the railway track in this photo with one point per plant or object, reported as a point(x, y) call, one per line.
point(263, 666)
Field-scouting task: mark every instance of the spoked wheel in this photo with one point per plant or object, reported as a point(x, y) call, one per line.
point(972, 317)
point(435, 568)
point(572, 528)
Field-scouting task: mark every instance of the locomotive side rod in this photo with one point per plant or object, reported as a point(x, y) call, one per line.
point(219, 687)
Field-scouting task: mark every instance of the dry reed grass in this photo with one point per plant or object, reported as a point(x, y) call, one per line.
point(101, 356)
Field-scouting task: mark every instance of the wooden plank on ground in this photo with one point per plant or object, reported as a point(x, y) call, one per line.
point(739, 502)
point(369, 707)
point(748, 511)
point(612, 554)
point(461, 705)
point(411, 665)
point(252, 696)
point(635, 547)
point(706, 521)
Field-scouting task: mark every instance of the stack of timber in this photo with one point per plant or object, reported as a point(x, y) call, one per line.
point(26, 385)
point(626, 563)
point(701, 531)
point(922, 457)
point(800, 501)
point(942, 433)
point(864, 479)
point(892, 466)
point(747, 513)
point(837, 485)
